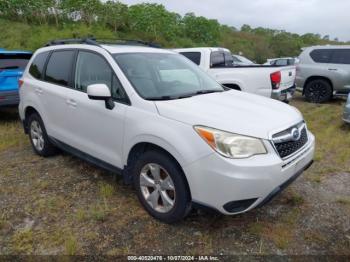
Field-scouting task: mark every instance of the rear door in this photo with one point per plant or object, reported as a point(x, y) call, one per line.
point(340, 65)
point(12, 66)
point(53, 91)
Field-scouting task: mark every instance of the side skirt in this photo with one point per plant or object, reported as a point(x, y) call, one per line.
point(88, 158)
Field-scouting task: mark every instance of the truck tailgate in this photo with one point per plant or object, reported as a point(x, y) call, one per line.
point(287, 77)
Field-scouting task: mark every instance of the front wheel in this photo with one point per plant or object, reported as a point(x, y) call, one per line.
point(318, 91)
point(161, 187)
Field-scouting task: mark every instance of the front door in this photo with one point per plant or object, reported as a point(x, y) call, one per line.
point(92, 127)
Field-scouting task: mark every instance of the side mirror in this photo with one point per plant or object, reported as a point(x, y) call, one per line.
point(101, 92)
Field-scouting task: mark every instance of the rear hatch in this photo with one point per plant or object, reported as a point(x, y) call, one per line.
point(287, 77)
point(12, 65)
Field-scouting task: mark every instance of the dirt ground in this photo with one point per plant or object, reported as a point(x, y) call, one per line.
point(62, 205)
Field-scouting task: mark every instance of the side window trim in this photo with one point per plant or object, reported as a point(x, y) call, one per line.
point(45, 66)
point(126, 101)
point(47, 62)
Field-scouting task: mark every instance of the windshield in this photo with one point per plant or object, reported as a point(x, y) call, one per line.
point(157, 76)
point(245, 60)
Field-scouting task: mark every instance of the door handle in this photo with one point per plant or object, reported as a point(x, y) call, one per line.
point(332, 69)
point(71, 102)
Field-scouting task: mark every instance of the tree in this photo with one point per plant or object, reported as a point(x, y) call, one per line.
point(85, 10)
point(201, 29)
point(246, 28)
point(114, 14)
point(155, 20)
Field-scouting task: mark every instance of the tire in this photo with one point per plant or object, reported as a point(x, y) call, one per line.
point(318, 91)
point(154, 189)
point(38, 137)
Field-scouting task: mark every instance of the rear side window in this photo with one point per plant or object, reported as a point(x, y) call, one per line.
point(59, 67)
point(341, 56)
point(321, 55)
point(217, 59)
point(195, 57)
point(37, 66)
point(281, 62)
point(14, 61)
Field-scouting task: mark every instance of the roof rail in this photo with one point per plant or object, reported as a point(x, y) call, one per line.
point(94, 41)
point(87, 40)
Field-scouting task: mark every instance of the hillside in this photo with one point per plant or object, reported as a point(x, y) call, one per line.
point(30, 24)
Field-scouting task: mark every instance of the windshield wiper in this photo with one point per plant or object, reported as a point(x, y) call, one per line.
point(202, 92)
point(160, 98)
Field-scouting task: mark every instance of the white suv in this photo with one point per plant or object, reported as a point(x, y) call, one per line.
point(154, 117)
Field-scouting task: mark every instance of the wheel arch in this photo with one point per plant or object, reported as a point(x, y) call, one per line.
point(317, 77)
point(29, 110)
point(140, 148)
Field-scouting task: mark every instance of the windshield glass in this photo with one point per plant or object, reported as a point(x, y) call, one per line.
point(165, 76)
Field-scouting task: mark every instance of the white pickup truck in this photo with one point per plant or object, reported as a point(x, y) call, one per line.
point(277, 82)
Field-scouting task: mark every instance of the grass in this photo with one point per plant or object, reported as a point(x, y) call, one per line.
point(332, 137)
point(22, 241)
point(106, 190)
point(10, 133)
point(344, 200)
point(71, 246)
point(78, 209)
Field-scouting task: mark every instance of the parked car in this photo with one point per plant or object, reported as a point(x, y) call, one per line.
point(283, 61)
point(324, 71)
point(268, 81)
point(346, 115)
point(241, 60)
point(12, 64)
point(165, 125)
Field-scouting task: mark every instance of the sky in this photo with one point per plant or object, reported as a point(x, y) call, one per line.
point(325, 17)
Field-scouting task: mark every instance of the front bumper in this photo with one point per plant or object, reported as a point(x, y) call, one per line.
point(234, 186)
point(9, 98)
point(283, 95)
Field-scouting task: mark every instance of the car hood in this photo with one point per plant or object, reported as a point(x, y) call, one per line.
point(232, 111)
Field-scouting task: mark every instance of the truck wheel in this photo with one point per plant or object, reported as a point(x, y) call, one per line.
point(161, 187)
point(38, 137)
point(318, 91)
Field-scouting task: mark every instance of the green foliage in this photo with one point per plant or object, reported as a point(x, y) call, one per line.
point(28, 24)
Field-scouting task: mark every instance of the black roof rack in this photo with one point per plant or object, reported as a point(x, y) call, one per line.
point(94, 41)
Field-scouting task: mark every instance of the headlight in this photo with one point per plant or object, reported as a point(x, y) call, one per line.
point(231, 145)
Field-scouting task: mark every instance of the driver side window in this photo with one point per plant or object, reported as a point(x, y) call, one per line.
point(93, 69)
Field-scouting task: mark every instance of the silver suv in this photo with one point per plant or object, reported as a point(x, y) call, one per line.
point(324, 71)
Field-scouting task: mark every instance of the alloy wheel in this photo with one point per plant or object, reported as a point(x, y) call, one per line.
point(37, 136)
point(157, 187)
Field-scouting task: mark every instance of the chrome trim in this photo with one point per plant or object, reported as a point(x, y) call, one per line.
point(290, 136)
point(300, 125)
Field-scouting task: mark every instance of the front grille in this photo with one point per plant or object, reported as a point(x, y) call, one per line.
point(288, 148)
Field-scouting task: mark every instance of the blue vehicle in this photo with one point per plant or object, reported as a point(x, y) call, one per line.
point(12, 65)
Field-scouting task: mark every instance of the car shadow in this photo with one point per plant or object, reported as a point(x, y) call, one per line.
point(335, 100)
point(9, 115)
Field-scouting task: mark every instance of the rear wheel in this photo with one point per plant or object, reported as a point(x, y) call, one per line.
point(38, 136)
point(161, 187)
point(318, 91)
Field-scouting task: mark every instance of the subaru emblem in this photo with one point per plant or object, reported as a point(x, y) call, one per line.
point(295, 134)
